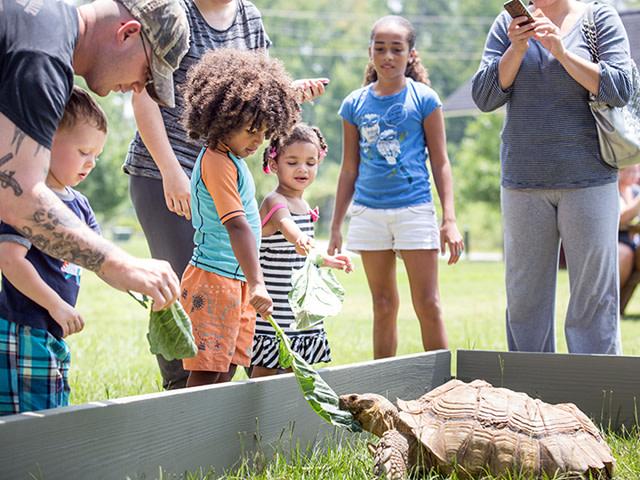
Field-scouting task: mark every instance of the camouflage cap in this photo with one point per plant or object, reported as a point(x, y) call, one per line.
point(166, 30)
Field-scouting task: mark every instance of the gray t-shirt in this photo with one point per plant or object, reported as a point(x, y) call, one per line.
point(549, 138)
point(246, 33)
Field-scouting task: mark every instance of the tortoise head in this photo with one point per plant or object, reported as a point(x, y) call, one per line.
point(375, 413)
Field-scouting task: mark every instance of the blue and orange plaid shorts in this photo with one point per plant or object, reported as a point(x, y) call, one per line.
point(34, 369)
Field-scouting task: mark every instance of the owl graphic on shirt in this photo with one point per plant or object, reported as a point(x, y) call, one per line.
point(369, 131)
point(388, 146)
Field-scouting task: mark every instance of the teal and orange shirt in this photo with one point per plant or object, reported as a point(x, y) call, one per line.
point(222, 188)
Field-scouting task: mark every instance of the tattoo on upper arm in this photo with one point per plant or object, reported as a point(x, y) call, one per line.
point(6, 176)
point(18, 138)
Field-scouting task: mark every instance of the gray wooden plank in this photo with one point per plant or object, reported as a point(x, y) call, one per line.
point(200, 427)
point(606, 388)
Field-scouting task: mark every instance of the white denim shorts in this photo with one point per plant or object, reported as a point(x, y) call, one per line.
point(406, 228)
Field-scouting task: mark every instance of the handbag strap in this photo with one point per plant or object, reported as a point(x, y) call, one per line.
point(591, 33)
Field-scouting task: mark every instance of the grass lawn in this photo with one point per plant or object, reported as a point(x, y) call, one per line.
point(110, 358)
point(344, 460)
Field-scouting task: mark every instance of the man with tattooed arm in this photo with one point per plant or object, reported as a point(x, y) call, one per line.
point(116, 46)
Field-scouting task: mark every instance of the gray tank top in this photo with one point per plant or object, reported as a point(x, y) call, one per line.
point(245, 33)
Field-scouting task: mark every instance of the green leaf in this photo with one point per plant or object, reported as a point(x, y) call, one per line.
point(315, 294)
point(320, 396)
point(170, 332)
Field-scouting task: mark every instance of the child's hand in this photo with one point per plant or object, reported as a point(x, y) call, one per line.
point(304, 244)
point(339, 262)
point(67, 317)
point(260, 300)
point(450, 236)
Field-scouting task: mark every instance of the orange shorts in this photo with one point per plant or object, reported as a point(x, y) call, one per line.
point(223, 321)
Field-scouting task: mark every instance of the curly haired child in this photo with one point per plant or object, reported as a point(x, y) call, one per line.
point(287, 238)
point(391, 127)
point(234, 100)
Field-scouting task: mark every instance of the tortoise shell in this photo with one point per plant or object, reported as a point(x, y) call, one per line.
point(476, 428)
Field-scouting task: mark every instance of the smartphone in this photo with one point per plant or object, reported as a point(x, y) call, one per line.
point(518, 9)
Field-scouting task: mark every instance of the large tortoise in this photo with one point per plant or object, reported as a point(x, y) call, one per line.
point(475, 429)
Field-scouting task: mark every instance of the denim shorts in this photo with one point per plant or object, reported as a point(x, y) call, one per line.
point(407, 228)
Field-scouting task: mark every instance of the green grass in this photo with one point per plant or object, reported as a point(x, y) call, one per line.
point(111, 358)
point(341, 459)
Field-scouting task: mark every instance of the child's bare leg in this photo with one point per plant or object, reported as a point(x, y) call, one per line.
point(228, 375)
point(199, 377)
point(380, 269)
point(257, 372)
point(422, 269)
point(625, 262)
point(267, 372)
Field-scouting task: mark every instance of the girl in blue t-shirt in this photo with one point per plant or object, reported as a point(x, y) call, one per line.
point(389, 125)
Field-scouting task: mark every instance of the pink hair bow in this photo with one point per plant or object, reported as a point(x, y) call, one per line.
point(315, 214)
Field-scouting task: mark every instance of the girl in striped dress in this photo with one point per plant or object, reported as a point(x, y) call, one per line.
point(287, 237)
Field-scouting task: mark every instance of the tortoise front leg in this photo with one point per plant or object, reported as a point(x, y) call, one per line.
point(391, 456)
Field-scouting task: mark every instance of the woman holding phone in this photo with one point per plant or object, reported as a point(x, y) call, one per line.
point(554, 185)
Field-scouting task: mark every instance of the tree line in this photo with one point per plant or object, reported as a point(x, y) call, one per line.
point(328, 38)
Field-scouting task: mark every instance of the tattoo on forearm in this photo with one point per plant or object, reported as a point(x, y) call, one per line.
point(43, 234)
point(6, 176)
point(49, 220)
point(65, 246)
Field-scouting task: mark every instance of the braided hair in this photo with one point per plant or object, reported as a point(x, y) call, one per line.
point(300, 133)
point(415, 69)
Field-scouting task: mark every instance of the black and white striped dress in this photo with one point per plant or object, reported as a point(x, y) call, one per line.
point(278, 259)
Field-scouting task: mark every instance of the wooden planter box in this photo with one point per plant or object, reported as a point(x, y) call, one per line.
point(214, 426)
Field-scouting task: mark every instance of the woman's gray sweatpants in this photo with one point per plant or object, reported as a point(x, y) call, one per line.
point(586, 219)
point(170, 238)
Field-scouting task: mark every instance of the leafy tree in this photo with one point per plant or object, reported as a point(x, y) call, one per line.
point(106, 186)
point(323, 38)
point(477, 165)
point(328, 38)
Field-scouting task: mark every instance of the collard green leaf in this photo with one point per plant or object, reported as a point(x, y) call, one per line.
point(315, 294)
point(170, 332)
point(320, 396)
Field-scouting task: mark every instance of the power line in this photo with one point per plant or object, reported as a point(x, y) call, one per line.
point(370, 17)
point(310, 52)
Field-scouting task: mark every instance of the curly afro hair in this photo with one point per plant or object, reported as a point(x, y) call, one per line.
point(300, 133)
point(228, 89)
